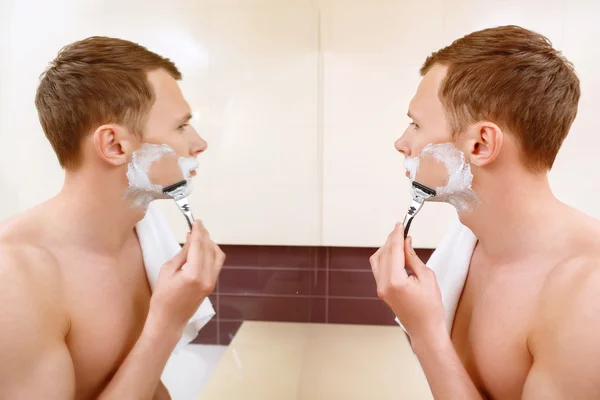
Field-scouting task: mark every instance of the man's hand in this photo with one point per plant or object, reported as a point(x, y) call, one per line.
point(417, 302)
point(186, 280)
point(415, 299)
point(162, 393)
point(183, 284)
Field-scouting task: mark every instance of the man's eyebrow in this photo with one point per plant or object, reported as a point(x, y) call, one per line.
point(184, 119)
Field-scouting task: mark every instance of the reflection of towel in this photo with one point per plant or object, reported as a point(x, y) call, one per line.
point(451, 261)
point(159, 246)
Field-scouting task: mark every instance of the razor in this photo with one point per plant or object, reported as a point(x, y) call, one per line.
point(421, 193)
point(179, 191)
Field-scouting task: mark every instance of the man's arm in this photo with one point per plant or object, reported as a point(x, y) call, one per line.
point(139, 375)
point(417, 302)
point(35, 362)
point(445, 373)
point(566, 342)
point(177, 294)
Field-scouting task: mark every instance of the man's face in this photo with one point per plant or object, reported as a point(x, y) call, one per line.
point(168, 122)
point(429, 123)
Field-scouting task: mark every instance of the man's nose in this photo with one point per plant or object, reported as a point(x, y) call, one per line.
point(402, 146)
point(199, 146)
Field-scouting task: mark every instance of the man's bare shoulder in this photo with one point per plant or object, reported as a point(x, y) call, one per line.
point(31, 282)
point(25, 228)
point(571, 289)
point(581, 234)
point(581, 256)
point(33, 316)
point(25, 259)
point(572, 285)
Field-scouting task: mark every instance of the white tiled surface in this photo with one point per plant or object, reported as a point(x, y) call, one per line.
point(464, 16)
point(372, 52)
point(188, 370)
point(300, 101)
point(575, 175)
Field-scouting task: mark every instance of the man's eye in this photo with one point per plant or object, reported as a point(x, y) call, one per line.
point(414, 125)
point(183, 126)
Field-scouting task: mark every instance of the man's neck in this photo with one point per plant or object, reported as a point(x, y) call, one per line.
point(513, 217)
point(95, 211)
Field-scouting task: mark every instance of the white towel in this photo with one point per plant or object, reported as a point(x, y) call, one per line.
point(450, 261)
point(159, 245)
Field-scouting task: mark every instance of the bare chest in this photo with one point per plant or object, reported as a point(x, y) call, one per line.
point(491, 327)
point(108, 304)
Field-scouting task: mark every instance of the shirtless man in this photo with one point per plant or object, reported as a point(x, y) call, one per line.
point(528, 321)
point(78, 319)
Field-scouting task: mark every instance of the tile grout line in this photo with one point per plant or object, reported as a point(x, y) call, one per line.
point(320, 128)
point(307, 269)
point(298, 296)
point(327, 285)
point(307, 322)
point(218, 312)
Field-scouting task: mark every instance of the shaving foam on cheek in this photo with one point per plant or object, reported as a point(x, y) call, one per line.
point(187, 165)
point(142, 191)
point(412, 166)
point(458, 190)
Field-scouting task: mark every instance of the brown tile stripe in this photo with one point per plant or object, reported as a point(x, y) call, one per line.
point(272, 281)
point(296, 284)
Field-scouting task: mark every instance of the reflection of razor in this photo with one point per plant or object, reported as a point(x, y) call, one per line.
point(179, 191)
point(421, 193)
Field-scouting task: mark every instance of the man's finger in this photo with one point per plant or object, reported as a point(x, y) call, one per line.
point(221, 257)
point(196, 250)
point(186, 245)
point(393, 241)
point(198, 231)
point(197, 241)
point(209, 255)
point(397, 235)
point(374, 261)
point(175, 263)
point(412, 259)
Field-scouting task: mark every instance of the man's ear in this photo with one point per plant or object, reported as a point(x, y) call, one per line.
point(114, 144)
point(484, 142)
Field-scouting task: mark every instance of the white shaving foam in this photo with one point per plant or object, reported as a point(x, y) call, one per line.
point(141, 191)
point(412, 166)
point(458, 191)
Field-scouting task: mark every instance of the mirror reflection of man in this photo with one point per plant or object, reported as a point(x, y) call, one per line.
point(527, 323)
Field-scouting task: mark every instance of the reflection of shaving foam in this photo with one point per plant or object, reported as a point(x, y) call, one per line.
point(458, 190)
point(141, 191)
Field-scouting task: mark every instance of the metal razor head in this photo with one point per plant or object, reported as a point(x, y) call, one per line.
point(424, 191)
point(177, 190)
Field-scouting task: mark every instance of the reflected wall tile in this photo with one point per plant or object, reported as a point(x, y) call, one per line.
point(208, 334)
point(228, 329)
point(352, 284)
point(359, 311)
point(294, 257)
point(272, 308)
point(350, 258)
point(272, 281)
